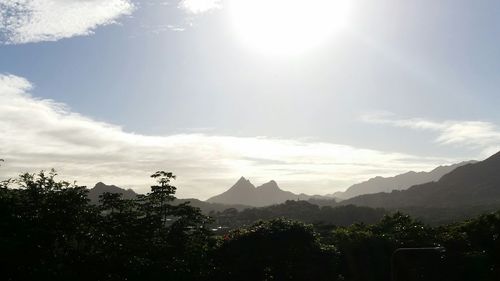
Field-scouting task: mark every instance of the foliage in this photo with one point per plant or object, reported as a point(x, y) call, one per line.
point(275, 250)
point(50, 231)
point(300, 211)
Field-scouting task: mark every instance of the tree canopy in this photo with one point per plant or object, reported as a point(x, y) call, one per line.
point(50, 231)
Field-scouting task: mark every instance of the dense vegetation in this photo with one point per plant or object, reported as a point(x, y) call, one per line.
point(303, 211)
point(50, 231)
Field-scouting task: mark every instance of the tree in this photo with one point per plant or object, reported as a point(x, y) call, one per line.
point(275, 250)
point(161, 195)
point(47, 227)
point(181, 238)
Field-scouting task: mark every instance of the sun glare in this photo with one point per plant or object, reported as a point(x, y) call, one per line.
point(287, 27)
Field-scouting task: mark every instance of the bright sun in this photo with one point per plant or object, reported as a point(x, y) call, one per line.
point(287, 27)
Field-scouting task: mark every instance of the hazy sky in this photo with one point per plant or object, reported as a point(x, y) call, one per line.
point(314, 94)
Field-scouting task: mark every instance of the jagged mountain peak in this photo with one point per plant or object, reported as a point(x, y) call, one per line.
point(244, 193)
point(101, 187)
point(270, 185)
point(242, 183)
point(242, 179)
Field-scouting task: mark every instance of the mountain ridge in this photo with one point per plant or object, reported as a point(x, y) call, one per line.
point(398, 182)
point(473, 184)
point(206, 208)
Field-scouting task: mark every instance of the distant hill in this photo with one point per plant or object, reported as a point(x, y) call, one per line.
point(399, 182)
point(100, 188)
point(243, 192)
point(471, 185)
point(205, 207)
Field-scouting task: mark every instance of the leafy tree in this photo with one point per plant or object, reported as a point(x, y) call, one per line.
point(47, 225)
point(370, 247)
point(275, 250)
point(50, 231)
point(473, 247)
point(402, 231)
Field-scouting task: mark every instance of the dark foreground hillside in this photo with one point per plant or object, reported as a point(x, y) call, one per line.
point(50, 231)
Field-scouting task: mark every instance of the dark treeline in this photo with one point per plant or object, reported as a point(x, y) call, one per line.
point(303, 211)
point(50, 231)
point(431, 215)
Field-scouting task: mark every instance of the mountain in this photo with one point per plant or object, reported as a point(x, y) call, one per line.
point(205, 207)
point(471, 185)
point(245, 193)
point(100, 188)
point(399, 182)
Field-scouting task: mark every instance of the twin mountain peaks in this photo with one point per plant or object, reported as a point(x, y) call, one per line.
point(464, 184)
point(245, 193)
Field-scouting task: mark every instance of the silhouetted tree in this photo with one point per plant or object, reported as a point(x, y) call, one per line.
point(275, 250)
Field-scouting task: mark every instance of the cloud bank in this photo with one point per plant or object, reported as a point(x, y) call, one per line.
point(478, 135)
point(42, 134)
point(24, 21)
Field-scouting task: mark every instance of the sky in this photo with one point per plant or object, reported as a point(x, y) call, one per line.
point(316, 94)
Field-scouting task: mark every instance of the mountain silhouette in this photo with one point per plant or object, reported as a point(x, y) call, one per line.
point(399, 182)
point(245, 193)
point(205, 207)
point(100, 188)
point(474, 184)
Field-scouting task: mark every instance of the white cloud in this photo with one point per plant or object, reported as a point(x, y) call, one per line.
point(42, 134)
point(176, 28)
point(200, 6)
point(23, 21)
point(481, 135)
